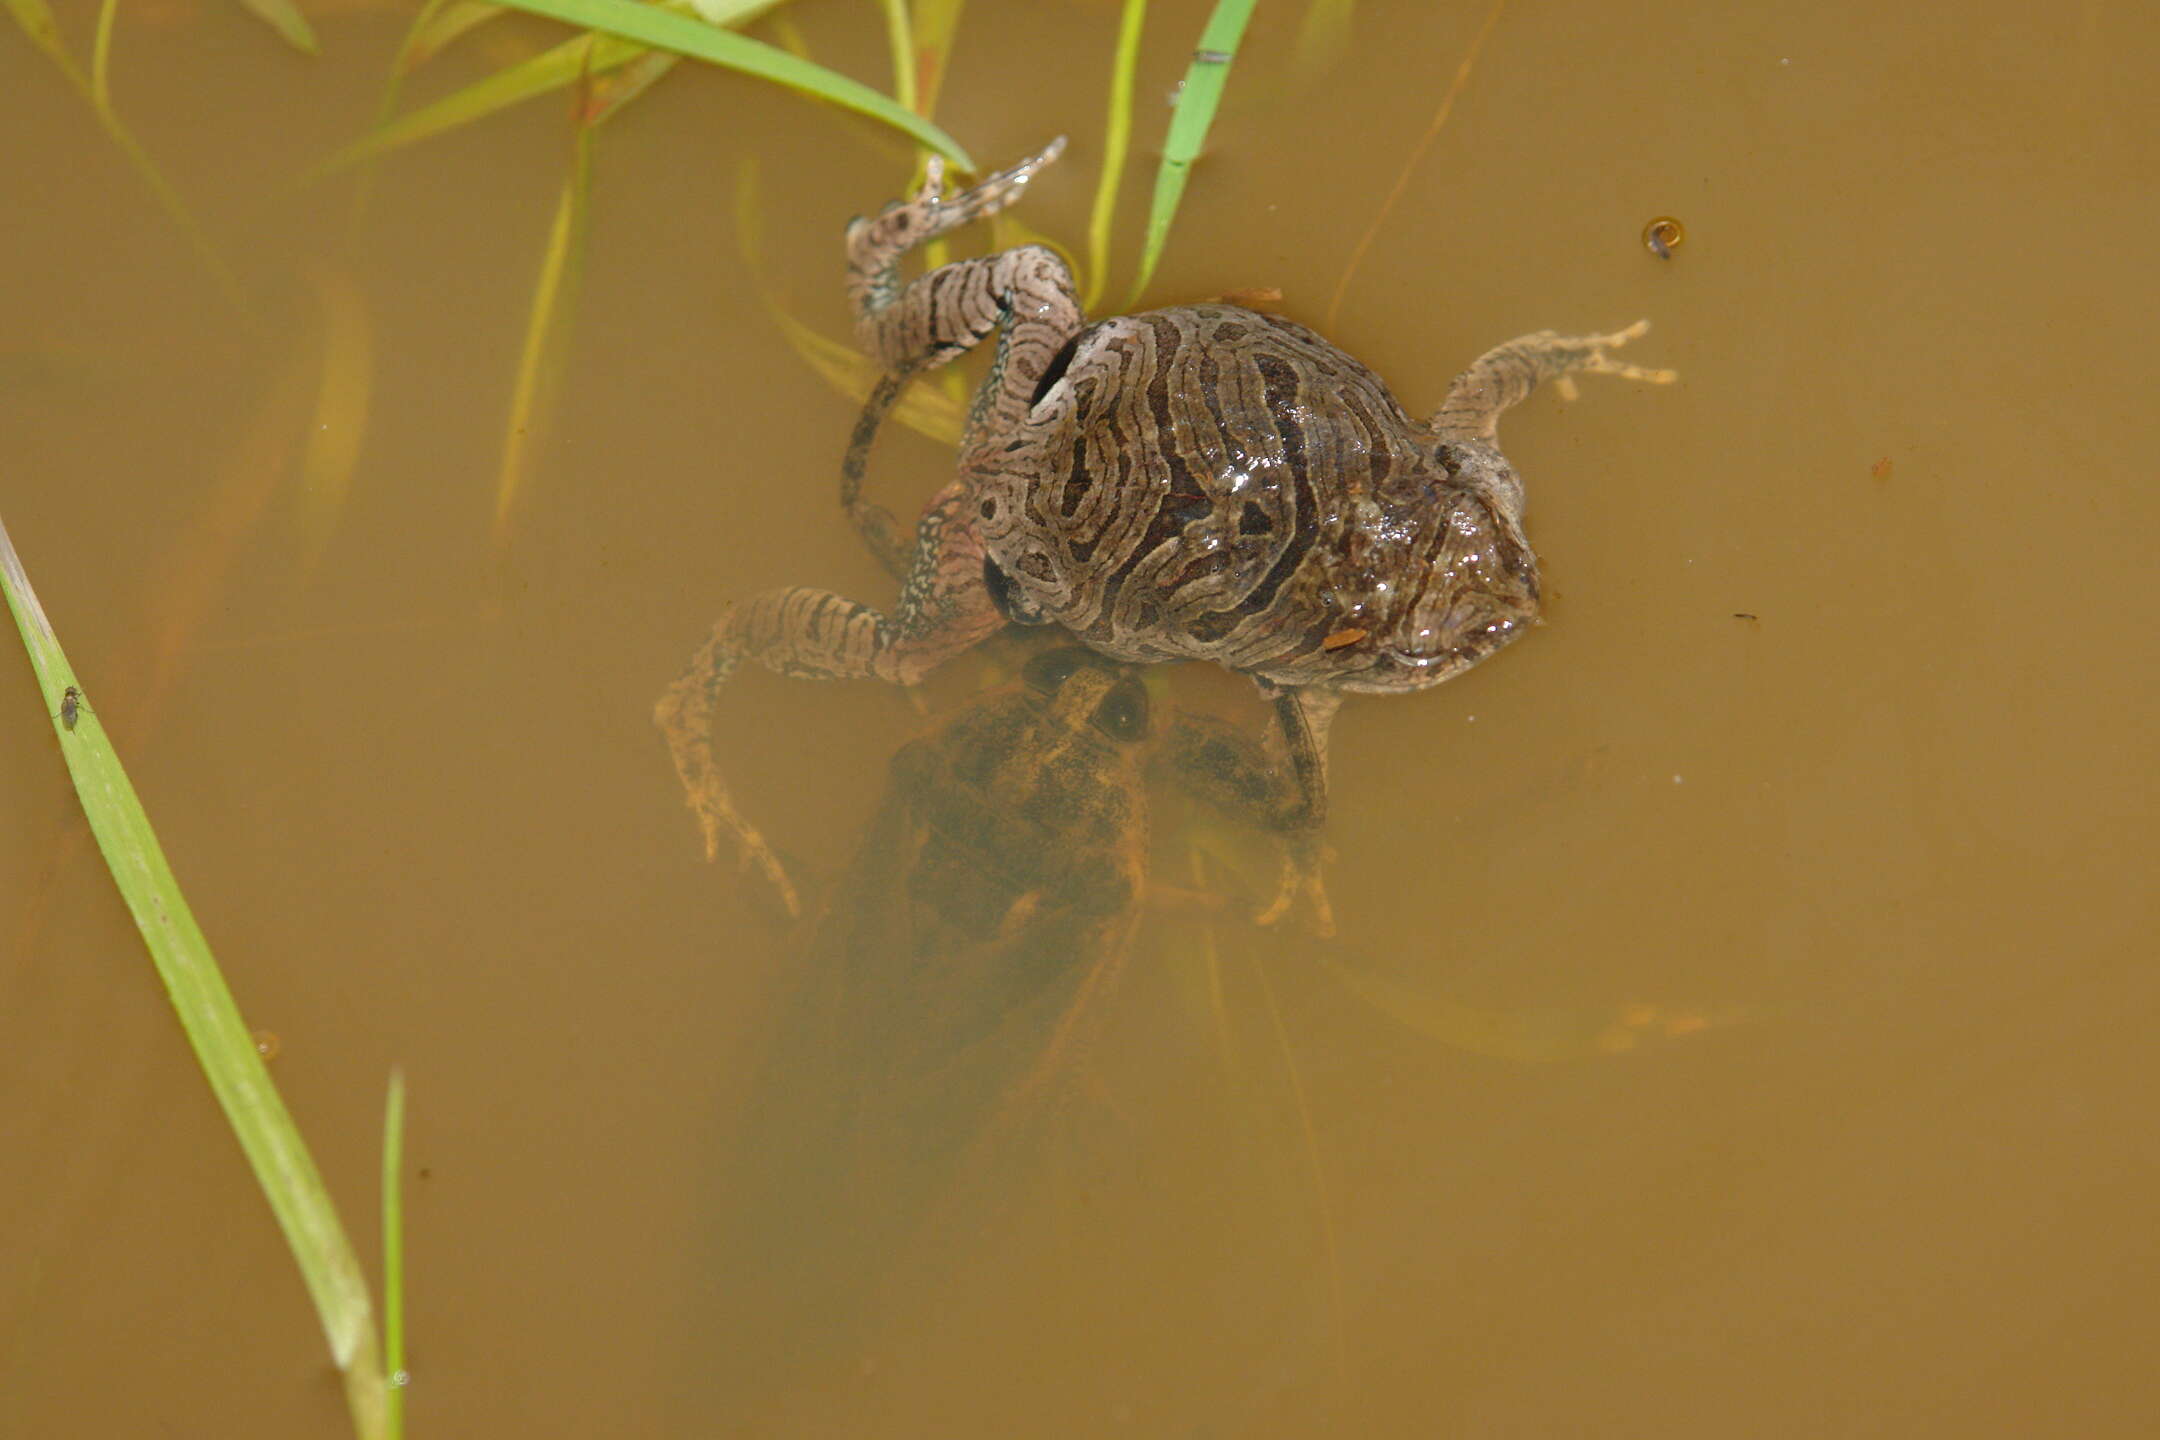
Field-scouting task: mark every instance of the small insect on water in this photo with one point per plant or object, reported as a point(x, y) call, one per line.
point(1663, 236)
point(70, 706)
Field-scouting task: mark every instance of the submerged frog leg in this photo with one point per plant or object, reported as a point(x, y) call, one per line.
point(1468, 420)
point(814, 634)
point(879, 530)
point(1280, 787)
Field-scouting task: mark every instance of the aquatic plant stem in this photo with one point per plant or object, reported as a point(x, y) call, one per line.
point(1117, 140)
point(1417, 153)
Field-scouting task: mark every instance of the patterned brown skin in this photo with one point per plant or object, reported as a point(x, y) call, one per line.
point(1198, 483)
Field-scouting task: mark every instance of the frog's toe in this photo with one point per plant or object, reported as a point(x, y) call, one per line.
point(752, 850)
point(994, 192)
point(1300, 878)
point(1604, 364)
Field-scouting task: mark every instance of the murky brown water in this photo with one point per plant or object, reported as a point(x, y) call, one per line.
point(1890, 827)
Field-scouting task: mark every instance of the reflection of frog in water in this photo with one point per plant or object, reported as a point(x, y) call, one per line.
point(952, 968)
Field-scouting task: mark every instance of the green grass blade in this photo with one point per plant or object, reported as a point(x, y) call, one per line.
point(1117, 141)
point(548, 71)
point(551, 70)
point(440, 25)
point(280, 16)
point(925, 409)
point(207, 1013)
point(393, 1250)
point(1196, 102)
point(900, 39)
point(607, 95)
point(36, 19)
point(686, 36)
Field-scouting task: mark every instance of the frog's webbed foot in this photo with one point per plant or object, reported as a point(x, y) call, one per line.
point(816, 635)
point(1505, 375)
point(876, 245)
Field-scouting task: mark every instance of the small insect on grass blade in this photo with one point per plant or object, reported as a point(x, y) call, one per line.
point(224, 1046)
point(1117, 142)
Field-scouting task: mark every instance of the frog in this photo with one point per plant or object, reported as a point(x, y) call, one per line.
point(1203, 482)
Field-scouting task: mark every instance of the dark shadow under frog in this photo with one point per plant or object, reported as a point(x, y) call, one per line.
point(950, 979)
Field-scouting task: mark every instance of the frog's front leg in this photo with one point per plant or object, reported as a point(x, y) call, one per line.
point(1504, 376)
point(815, 634)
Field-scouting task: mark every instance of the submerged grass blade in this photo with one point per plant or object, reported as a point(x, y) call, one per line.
point(1117, 140)
point(393, 1252)
point(281, 16)
point(1323, 38)
point(606, 96)
point(936, 22)
point(548, 71)
point(928, 410)
point(1196, 102)
point(665, 30)
point(341, 409)
point(546, 329)
point(35, 18)
point(101, 57)
point(900, 39)
point(438, 26)
point(222, 1043)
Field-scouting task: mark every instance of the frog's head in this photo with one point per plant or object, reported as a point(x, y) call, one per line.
point(1472, 588)
point(1082, 690)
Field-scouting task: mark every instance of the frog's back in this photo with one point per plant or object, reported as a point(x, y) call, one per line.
point(1214, 483)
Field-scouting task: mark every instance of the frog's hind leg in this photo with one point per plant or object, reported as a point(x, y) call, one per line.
point(880, 532)
point(1505, 375)
point(814, 634)
point(953, 308)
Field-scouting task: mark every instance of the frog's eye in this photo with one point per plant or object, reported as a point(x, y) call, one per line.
point(1047, 671)
point(1123, 712)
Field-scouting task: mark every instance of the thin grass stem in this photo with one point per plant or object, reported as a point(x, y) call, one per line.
point(900, 38)
point(393, 1243)
point(101, 56)
point(1197, 98)
point(1117, 140)
point(1417, 153)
